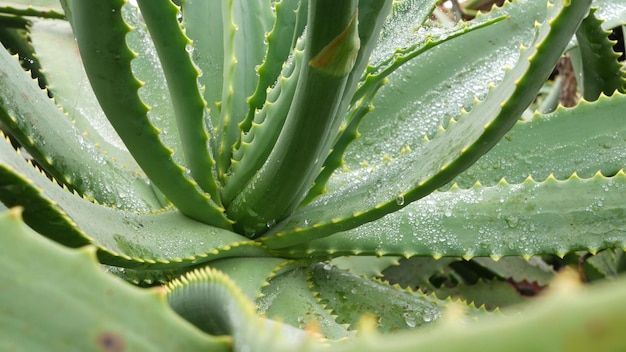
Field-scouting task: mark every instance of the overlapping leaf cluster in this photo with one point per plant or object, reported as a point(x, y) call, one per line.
point(277, 165)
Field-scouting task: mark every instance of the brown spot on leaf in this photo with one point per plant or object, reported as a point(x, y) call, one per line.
point(110, 342)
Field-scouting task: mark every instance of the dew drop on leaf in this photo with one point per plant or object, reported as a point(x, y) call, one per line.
point(410, 320)
point(512, 221)
point(400, 200)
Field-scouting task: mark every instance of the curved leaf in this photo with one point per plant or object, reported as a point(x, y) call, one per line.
point(29, 115)
point(551, 145)
point(332, 46)
point(181, 74)
point(245, 24)
point(599, 61)
point(522, 219)
point(373, 192)
point(53, 282)
point(289, 298)
point(167, 239)
point(107, 59)
point(211, 301)
point(579, 318)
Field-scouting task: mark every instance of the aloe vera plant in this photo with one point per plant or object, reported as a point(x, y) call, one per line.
point(260, 164)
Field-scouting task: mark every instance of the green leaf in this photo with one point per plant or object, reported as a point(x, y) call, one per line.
point(550, 145)
point(251, 274)
point(613, 13)
point(491, 295)
point(281, 41)
point(416, 272)
point(290, 169)
point(163, 240)
point(107, 60)
point(338, 57)
point(599, 61)
point(203, 24)
point(211, 301)
point(289, 298)
point(47, 134)
point(579, 318)
point(521, 219)
point(401, 29)
point(245, 25)
point(182, 79)
point(67, 81)
point(350, 297)
point(518, 269)
point(39, 8)
point(372, 192)
point(257, 143)
point(365, 266)
point(70, 284)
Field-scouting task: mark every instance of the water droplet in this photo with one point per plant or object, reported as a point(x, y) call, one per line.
point(410, 320)
point(307, 221)
point(400, 200)
point(427, 318)
point(512, 221)
point(270, 223)
point(327, 267)
point(189, 48)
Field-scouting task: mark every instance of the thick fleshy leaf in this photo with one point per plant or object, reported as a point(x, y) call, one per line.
point(211, 301)
point(60, 147)
point(579, 318)
point(613, 13)
point(281, 40)
point(489, 294)
point(515, 268)
point(414, 104)
point(551, 145)
point(166, 239)
point(257, 143)
point(251, 274)
point(203, 24)
point(69, 85)
point(154, 91)
point(40, 8)
point(417, 272)
point(400, 29)
point(331, 49)
point(289, 298)
point(350, 296)
point(361, 103)
point(181, 75)
point(245, 24)
point(117, 89)
point(55, 283)
point(365, 266)
point(599, 61)
point(374, 191)
point(522, 219)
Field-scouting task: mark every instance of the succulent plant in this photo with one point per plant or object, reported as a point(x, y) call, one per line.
point(324, 175)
